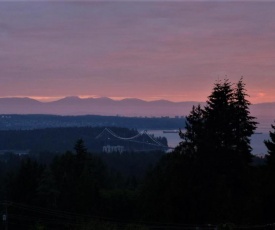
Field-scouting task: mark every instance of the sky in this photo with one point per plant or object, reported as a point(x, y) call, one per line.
point(148, 50)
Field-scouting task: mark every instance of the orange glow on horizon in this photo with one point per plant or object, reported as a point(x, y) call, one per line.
point(255, 98)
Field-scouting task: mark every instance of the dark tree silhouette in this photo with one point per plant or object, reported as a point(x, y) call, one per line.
point(80, 148)
point(206, 178)
point(224, 125)
point(270, 144)
point(269, 177)
point(244, 123)
point(218, 117)
point(194, 129)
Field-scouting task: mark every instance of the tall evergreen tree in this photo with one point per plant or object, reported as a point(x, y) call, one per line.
point(80, 148)
point(270, 144)
point(218, 116)
point(224, 124)
point(269, 186)
point(208, 173)
point(244, 123)
point(194, 129)
point(219, 136)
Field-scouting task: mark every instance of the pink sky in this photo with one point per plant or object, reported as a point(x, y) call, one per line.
point(148, 50)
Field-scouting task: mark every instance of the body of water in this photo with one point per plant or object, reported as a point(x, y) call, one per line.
point(257, 140)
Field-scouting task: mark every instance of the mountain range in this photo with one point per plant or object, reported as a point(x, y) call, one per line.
point(96, 106)
point(106, 106)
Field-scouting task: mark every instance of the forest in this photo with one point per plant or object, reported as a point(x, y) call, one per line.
point(209, 181)
point(62, 139)
point(39, 121)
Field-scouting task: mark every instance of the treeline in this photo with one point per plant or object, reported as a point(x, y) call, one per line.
point(75, 190)
point(210, 181)
point(15, 122)
point(63, 139)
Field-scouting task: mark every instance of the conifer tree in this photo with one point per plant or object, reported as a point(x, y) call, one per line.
point(194, 128)
point(224, 125)
point(218, 116)
point(80, 149)
point(270, 144)
point(224, 152)
point(244, 123)
point(269, 186)
point(208, 172)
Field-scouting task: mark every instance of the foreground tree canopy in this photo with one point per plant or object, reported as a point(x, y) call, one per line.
point(223, 125)
point(207, 177)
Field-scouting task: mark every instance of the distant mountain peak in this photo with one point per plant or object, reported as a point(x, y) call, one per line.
point(68, 99)
point(104, 98)
point(72, 98)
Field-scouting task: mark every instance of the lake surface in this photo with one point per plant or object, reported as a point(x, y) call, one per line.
point(257, 140)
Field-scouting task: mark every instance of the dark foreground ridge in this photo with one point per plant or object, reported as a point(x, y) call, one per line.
point(15, 122)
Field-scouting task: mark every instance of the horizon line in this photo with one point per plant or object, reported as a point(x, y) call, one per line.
point(56, 98)
point(44, 99)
